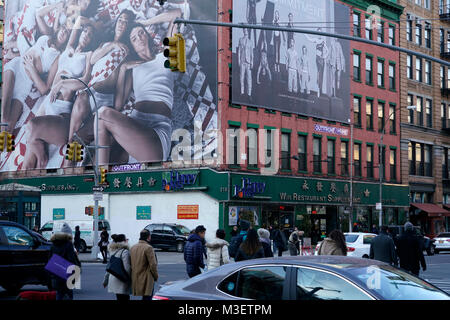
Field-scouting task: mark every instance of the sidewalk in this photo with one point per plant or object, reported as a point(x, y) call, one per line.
point(87, 257)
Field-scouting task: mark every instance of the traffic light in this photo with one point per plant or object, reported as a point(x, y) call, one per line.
point(79, 152)
point(2, 140)
point(103, 172)
point(70, 151)
point(176, 53)
point(10, 142)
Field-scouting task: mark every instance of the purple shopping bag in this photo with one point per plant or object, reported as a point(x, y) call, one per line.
point(58, 266)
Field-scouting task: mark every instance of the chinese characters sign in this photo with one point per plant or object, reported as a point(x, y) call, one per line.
point(187, 211)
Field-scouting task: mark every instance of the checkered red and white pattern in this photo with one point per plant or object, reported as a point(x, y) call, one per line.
point(102, 72)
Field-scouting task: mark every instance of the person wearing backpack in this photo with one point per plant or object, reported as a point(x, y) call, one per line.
point(237, 240)
point(119, 249)
point(251, 248)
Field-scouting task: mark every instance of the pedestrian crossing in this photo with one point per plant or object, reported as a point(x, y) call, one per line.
point(440, 283)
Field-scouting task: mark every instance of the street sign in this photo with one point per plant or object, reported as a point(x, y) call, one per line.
point(378, 206)
point(98, 196)
point(97, 189)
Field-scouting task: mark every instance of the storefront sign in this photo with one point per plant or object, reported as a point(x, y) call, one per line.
point(143, 213)
point(62, 187)
point(177, 181)
point(187, 211)
point(127, 167)
point(248, 188)
point(330, 130)
point(59, 213)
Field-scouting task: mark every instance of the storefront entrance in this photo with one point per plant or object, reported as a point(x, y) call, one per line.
point(278, 216)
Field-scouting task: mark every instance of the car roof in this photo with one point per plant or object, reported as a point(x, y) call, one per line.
point(11, 223)
point(360, 233)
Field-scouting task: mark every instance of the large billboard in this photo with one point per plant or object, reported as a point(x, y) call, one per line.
point(115, 48)
point(292, 72)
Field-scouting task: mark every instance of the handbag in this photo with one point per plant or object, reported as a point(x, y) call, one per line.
point(116, 268)
point(58, 266)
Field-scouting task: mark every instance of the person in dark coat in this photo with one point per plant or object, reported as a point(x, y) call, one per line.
point(194, 251)
point(77, 239)
point(382, 248)
point(410, 251)
point(264, 237)
point(251, 248)
point(103, 244)
point(237, 240)
point(280, 240)
point(374, 229)
point(62, 246)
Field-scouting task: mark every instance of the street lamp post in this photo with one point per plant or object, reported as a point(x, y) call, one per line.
point(96, 171)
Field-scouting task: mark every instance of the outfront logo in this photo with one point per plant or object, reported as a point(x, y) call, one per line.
point(248, 188)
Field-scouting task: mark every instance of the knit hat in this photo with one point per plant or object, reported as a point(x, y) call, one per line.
point(263, 233)
point(244, 224)
point(66, 229)
point(408, 226)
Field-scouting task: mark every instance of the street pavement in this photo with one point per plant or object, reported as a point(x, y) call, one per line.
point(171, 267)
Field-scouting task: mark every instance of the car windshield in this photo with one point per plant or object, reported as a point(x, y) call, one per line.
point(351, 238)
point(443, 235)
point(394, 284)
point(182, 230)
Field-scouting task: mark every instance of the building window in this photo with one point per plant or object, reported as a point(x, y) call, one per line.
point(427, 35)
point(420, 159)
point(411, 111)
point(317, 161)
point(428, 72)
point(268, 148)
point(428, 157)
point(356, 66)
point(356, 25)
point(418, 34)
point(393, 164)
point(409, 69)
point(409, 25)
point(392, 35)
point(445, 161)
point(418, 2)
point(380, 72)
point(426, 4)
point(391, 76)
point(252, 147)
point(392, 121)
point(369, 114)
point(234, 145)
point(357, 111)
point(357, 159)
point(369, 161)
point(285, 151)
point(380, 117)
point(369, 70)
point(383, 161)
point(448, 78)
point(380, 31)
point(302, 158)
point(368, 28)
point(419, 109)
point(441, 38)
point(344, 158)
point(444, 115)
point(442, 77)
point(419, 69)
point(411, 159)
point(429, 112)
point(331, 157)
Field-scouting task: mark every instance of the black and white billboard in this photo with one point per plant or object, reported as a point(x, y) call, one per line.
point(292, 72)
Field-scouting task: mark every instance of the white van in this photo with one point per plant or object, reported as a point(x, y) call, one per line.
point(86, 230)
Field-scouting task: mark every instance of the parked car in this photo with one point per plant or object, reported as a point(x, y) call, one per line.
point(358, 244)
point(302, 278)
point(167, 236)
point(23, 256)
point(428, 244)
point(442, 242)
point(86, 230)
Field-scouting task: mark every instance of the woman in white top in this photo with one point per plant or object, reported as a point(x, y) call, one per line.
point(145, 135)
point(21, 73)
point(52, 126)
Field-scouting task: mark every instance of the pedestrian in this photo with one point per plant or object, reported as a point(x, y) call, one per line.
point(77, 239)
point(234, 232)
point(355, 227)
point(410, 250)
point(62, 246)
point(280, 241)
point(382, 248)
point(144, 267)
point(36, 228)
point(374, 229)
point(103, 244)
point(294, 243)
point(251, 248)
point(120, 249)
point(264, 237)
point(237, 240)
point(334, 245)
point(194, 251)
point(218, 251)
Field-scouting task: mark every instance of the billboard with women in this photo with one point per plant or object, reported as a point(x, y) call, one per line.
point(288, 71)
point(65, 61)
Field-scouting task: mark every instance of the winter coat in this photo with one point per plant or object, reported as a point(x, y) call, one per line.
point(410, 252)
point(382, 248)
point(217, 253)
point(330, 248)
point(77, 239)
point(193, 254)
point(280, 239)
point(267, 247)
point(119, 250)
point(104, 239)
point(144, 269)
point(62, 246)
point(241, 255)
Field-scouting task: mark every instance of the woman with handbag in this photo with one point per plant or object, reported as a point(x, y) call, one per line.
point(118, 271)
point(218, 251)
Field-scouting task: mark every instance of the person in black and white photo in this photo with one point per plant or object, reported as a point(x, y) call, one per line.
point(305, 71)
point(290, 35)
point(321, 54)
point(293, 66)
point(245, 59)
point(337, 65)
point(251, 16)
point(276, 39)
point(264, 76)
